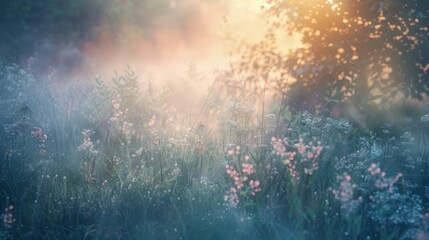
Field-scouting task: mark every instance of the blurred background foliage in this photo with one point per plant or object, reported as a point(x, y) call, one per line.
point(56, 31)
point(29, 24)
point(356, 56)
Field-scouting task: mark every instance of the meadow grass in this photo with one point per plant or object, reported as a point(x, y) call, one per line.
point(115, 160)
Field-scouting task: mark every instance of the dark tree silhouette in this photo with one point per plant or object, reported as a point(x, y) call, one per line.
point(365, 49)
point(356, 52)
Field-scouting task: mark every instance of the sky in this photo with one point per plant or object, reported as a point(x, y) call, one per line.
point(197, 34)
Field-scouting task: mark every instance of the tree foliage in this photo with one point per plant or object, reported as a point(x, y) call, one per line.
point(359, 51)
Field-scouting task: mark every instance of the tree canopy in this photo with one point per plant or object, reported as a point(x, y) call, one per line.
point(353, 50)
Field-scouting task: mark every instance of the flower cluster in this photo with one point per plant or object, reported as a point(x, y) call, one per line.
point(345, 195)
point(232, 197)
point(358, 160)
point(395, 209)
point(247, 168)
point(309, 152)
point(152, 121)
point(38, 134)
point(238, 181)
point(381, 181)
point(234, 151)
point(7, 217)
point(243, 184)
point(425, 118)
point(254, 187)
point(280, 148)
point(119, 118)
point(389, 207)
point(239, 107)
point(308, 155)
point(88, 144)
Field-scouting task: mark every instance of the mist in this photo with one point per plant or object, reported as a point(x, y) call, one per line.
point(213, 119)
point(159, 39)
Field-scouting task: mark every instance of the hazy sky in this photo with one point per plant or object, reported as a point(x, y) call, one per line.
point(194, 35)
